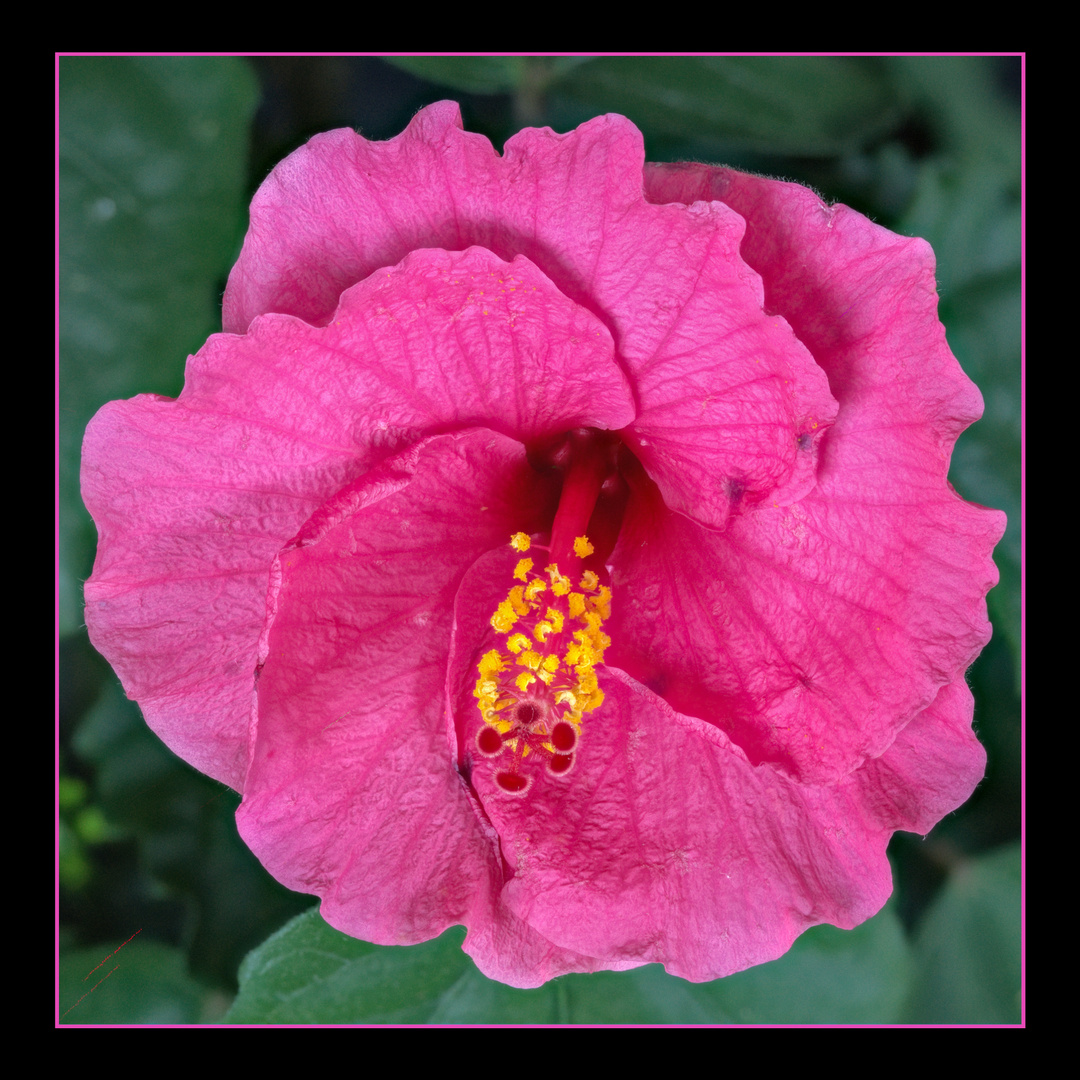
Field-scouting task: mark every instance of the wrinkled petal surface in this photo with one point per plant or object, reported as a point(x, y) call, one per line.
point(193, 498)
point(431, 348)
point(880, 569)
point(390, 837)
point(666, 844)
point(351, 689)
point(812, 633)
point(729, 403)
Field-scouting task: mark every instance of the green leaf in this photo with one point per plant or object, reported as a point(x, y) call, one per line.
point(967, 205)
point(309, 973)
point(473, 74)
point(153, 158)
point(967, 950)
point(188, 850)
point(984, 323)
point(830, 976)
point(961, 99)
point(969, 211)
point(135, 982)
point(806, 105)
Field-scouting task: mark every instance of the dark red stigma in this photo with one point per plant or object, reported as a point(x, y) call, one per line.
point(512, 782)
point(489, 741)
point(563, 737)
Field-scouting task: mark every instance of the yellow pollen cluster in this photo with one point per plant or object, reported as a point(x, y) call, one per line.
point(554, 641)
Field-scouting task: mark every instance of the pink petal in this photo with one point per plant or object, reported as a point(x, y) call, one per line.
point(194, 498)
point(931, 769)
point(299, 557)
point(864, 302)
point(666, 845)
point(814, 633)
point(191, 505)
point(672, 848)
point(443, 338)
point(811, 634)
point(352, 794)
point(729, 403)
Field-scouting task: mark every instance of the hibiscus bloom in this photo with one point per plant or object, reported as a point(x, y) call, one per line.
point(557, 545)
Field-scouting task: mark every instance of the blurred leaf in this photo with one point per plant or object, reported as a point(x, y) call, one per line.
point(141, 982)
point(137, 779)
point(72, 863)
point(153, 157)
point(984, 323)
point(309, 973)
point(830, 976)
point(970, 213)
point(960, 98)
point(71, 792)
point(806, 105)
point(967, 950)
point(188, 850)
point(473, 74)
point(967, 205)
point(994, 815)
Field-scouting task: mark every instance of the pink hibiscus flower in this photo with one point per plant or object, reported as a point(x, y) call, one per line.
point(557, 545)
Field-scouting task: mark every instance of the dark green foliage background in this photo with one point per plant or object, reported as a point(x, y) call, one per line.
point(158, 159)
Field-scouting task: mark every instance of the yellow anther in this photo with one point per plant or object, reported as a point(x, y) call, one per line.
point(587, 653)
point(517, 599)
point(492, 662)
point(587, 683)
point(560, 584)
point(504, 617)
point(582, 547)
point(534, 589)
point(561, 685)
point(603, 602)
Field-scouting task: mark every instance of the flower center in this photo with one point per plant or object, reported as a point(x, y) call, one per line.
point(534, 691)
